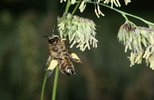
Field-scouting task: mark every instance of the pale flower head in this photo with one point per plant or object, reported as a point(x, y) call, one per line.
point(97, 9)
point(80, 31)
point(72, 1)
point(140, 41)
point(135, 57)
point(62, 1)
point(150, 61)
point(127, 1)
point(116, 2)
point(128, 37)
point(83, 5)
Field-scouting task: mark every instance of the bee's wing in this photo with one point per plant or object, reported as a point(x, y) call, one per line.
point(75, 58)
point(52, 65)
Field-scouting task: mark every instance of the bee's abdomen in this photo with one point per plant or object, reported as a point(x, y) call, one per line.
point(67, 68)
point(69, 71)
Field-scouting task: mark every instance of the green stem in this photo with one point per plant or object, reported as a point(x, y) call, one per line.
point(67, 7)
point(76, 7)
point(128, 14)
point(55, 84)
point(43, 86)
point(125, 17)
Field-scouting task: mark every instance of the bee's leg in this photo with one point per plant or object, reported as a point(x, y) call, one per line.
point(74, 58)
point(52, 65)
point(49, 72)
point(48, 61)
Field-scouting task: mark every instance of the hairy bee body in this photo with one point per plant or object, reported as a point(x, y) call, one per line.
point(59, 53)
point(56, 46)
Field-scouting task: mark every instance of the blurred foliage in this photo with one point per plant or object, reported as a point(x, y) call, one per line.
point(104, 74)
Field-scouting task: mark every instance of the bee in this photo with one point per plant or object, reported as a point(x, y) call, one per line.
point(60, 56)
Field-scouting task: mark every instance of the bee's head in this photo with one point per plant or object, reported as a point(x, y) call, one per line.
point(54, 40)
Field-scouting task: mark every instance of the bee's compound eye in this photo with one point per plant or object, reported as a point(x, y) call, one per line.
point(51, 41)
point(57, 39)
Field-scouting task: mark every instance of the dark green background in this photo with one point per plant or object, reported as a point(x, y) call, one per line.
point(104, 73)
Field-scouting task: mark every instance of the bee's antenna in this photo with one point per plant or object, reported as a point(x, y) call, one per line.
point(45, 36)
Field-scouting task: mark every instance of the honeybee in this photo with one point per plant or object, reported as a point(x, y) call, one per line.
point(60, 56)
